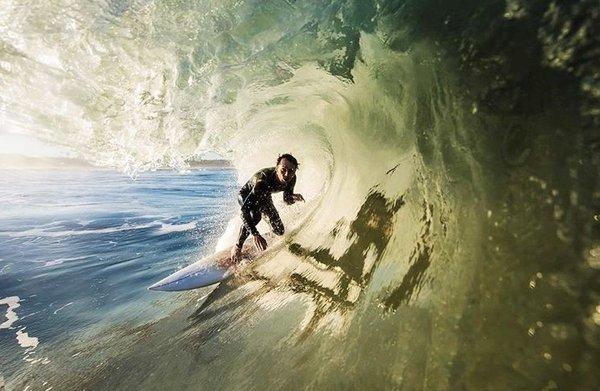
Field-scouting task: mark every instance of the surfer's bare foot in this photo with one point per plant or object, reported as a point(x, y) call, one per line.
point(236, 254)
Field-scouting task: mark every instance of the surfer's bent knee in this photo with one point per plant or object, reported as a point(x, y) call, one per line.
point(278, 229)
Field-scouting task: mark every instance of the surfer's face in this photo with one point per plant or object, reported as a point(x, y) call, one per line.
point(286, 171)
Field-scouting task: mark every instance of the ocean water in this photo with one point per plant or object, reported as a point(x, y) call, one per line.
point(80, 247)
point(449, 156)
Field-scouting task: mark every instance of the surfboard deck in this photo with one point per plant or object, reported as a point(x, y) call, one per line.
point(207, 271)
point(218, 267)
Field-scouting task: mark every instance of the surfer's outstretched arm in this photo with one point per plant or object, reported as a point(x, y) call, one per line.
point(288, 194)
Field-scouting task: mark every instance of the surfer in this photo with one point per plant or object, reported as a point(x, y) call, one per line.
point(255, 201)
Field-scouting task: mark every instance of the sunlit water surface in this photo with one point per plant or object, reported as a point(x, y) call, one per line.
point(78, 249)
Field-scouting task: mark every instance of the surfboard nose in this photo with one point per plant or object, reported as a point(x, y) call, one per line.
point(161, 285)
point(196, 275)
point(173, 282)
point(156, 287)
point(205, 272)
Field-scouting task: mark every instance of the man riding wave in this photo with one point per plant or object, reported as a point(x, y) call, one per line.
point(255, 200)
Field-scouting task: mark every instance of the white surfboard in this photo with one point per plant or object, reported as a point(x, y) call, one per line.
point(207, 271)
point(218, 267)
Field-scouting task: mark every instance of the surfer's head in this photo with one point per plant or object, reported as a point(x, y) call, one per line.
point(286, 167)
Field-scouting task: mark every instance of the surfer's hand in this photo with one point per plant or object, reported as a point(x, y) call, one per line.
point(260, 243)
point(297, 197)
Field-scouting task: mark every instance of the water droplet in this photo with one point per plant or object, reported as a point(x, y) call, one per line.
point(532, 284)
point(547, 356)
point(539, 275)
point(592, 256)
point(596, 318)
point(539, 324)
point(574, 198)
point(567, 367)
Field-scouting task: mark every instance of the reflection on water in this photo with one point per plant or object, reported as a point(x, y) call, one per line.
point(370, 233)
point(334, 284)
point(419, 261)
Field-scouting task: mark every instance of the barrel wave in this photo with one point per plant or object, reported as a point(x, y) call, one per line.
point(449, 154)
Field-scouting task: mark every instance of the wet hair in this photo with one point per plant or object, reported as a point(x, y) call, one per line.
point(289, 158)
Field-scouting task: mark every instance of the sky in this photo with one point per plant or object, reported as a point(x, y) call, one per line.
point(26, 145)
point(21, 144)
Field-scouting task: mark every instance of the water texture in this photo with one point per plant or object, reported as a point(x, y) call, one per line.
point(80, 247)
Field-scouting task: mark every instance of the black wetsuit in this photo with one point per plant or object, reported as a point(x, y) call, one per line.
point(255, 200)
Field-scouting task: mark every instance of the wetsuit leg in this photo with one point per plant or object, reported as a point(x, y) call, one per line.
point(244, 232)
point(268, 209)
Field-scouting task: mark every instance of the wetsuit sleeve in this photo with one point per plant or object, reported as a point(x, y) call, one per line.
point(288, 193)
point(251, 203)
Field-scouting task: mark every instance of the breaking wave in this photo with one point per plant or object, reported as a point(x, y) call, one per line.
point(449, 151)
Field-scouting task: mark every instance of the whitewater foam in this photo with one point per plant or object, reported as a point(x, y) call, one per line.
point(166, 228)
point(25, 340)
point(12, 303)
